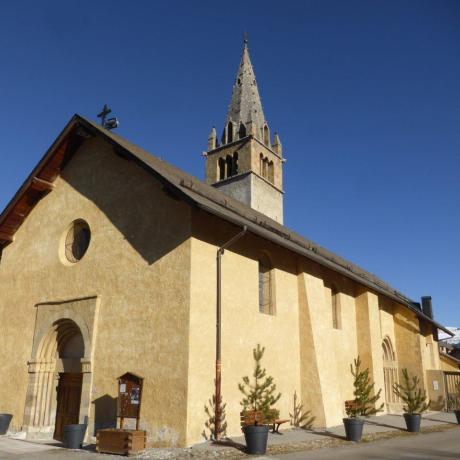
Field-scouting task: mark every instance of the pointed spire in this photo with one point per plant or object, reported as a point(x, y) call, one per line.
point(277, 145)
point(212, 139)
point(245, 105)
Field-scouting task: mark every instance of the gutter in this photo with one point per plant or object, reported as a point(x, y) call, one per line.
point(218, 382)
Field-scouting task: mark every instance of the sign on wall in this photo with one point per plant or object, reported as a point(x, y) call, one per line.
point(129, 397)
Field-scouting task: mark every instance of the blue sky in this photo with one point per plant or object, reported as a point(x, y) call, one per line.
point(364, 94)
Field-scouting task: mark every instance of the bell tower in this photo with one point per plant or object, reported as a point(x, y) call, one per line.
point(247, 164)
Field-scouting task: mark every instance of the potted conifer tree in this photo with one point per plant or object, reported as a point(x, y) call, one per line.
point(414, 399)
point(363, 404)
point(259, 397)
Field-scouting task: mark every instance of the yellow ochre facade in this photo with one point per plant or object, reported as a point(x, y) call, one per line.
point(142, 296)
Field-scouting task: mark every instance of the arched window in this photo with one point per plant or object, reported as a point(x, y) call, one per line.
point(221, 169)
point(229, 162)
point(271, 172)
point(336, 320)
point(242, 131)
point(261, 165)
point(235, 163)
point(266, 135)
point(266, 297)
point(390, 371)
point(229, 132)
point(265, 168)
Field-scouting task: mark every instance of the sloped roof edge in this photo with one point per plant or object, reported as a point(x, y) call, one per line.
point(211, 200)
point(446, 355)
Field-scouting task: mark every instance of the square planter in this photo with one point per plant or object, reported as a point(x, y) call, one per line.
point(122, 442)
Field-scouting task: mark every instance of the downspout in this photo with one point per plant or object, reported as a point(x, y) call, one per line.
point(220, 253)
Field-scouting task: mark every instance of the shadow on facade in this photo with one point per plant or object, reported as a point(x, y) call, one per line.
point(105, 413)
point(150, 220)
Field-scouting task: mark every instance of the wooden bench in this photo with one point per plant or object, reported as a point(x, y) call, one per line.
point(275, 422)
point(257, 417)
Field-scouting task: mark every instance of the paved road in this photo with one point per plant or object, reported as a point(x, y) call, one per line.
point(444, 445)
point(434, 446)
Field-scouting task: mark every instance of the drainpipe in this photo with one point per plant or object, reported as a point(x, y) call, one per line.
point(220, 253)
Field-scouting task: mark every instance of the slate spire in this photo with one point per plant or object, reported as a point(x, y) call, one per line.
point(245, 113)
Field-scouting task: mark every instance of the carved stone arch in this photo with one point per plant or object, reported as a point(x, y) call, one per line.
point(62, 346)
point(45, 329)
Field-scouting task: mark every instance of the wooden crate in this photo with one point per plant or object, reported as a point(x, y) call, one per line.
point(118, 441)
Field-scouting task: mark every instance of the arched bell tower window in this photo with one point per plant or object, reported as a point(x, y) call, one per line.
point(242, 131)
point(235, 164)
point(266, 286)
point(229, 163)
point(271, 172)
point(266, 135)
point(229, 132)
point(221, 169)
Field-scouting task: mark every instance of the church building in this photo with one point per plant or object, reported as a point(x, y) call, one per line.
point(109, 265)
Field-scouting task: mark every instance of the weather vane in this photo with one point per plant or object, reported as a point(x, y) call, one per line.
point(245, 38)
point(110, 123)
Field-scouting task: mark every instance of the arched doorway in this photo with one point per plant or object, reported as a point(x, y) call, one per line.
point(55, 379)
point(390, 373)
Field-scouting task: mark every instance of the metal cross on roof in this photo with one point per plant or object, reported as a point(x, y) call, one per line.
point(104, 113)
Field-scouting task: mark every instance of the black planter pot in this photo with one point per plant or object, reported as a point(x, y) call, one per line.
point(256, 437)
point(74, 435)
point(353, 429)
point(5, 420)
point(413, 422)
point(457, 415)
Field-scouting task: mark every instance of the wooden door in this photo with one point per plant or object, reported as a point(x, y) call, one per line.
point(68, 401)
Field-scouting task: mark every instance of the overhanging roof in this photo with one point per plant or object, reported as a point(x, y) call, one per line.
point(192, 190)
point(453, 358)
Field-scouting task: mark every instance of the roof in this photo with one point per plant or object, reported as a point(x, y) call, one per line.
point(453, 358)
point(192, 190)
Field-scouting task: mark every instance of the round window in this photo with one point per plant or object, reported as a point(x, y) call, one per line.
point(77, 241)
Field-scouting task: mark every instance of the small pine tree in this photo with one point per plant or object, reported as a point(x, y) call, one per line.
point(412, 395)
point(210, 423)
point(364, 402)
point(260, 394)
point(299, 418)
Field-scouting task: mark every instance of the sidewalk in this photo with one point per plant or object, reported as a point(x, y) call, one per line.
point(291, 440)
point(294, 440)
point(372, 425)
